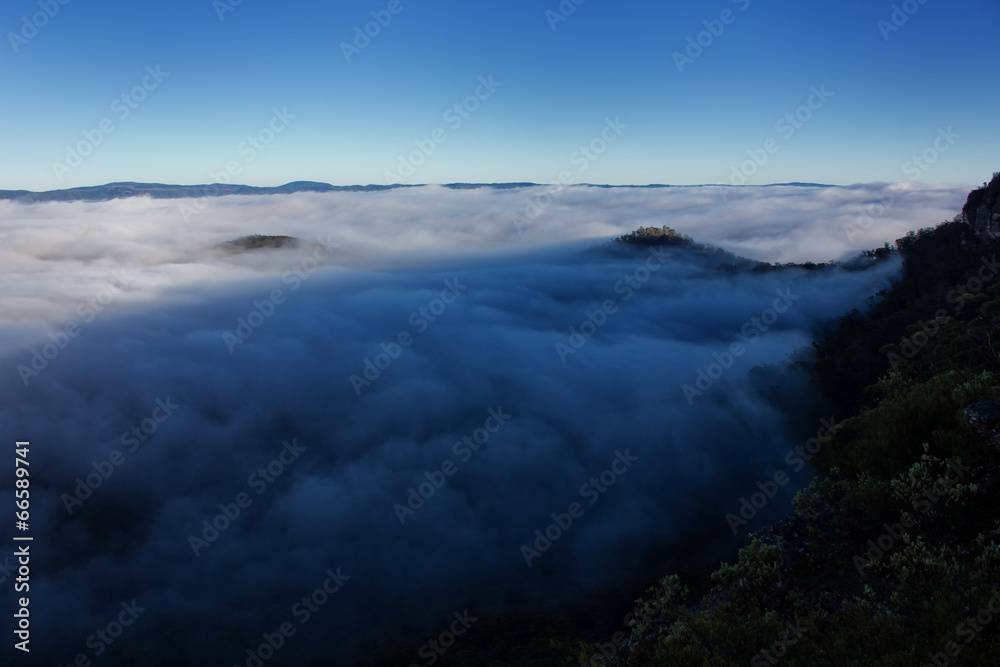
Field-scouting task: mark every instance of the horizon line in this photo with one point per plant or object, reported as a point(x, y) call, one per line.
point(453, 185)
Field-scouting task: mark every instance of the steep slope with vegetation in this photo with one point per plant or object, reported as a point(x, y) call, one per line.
point(892, 555)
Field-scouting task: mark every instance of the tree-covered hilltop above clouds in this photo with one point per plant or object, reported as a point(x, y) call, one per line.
point(667, 236)
point(656, 236)
point(259, 241)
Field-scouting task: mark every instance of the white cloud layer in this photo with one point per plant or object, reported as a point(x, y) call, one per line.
point(56, 257)
point(496, 319)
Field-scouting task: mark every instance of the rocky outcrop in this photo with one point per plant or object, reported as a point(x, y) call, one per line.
point(984, 420)
point(982, 209)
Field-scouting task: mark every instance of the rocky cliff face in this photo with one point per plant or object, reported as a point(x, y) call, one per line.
point(982, 210)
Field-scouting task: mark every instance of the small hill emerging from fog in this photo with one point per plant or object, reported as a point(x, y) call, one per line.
point(666, 236)
point(260, 241)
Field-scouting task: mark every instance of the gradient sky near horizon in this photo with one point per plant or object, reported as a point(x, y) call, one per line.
point(894, 91)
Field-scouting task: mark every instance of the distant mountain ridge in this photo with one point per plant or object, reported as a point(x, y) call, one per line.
point(164, 191)
point(161, 191)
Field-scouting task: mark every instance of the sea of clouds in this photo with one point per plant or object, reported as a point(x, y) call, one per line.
point(396, 406)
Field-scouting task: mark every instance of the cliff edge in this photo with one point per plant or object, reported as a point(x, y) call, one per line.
point(982, 210)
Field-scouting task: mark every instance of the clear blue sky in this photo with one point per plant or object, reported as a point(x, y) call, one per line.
point(352, 120)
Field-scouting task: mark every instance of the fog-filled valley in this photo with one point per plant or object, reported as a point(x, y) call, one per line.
point(224, 432)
